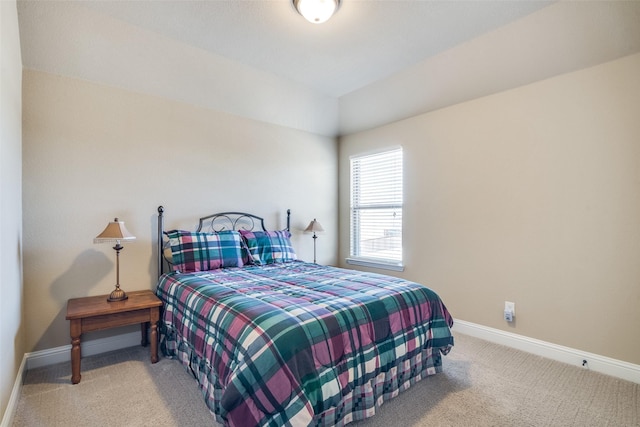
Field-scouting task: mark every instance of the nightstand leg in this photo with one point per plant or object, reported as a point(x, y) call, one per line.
point(143, 332)
point(155, 317)
point(76, 331)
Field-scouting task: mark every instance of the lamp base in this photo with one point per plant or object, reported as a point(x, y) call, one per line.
point(117, 295)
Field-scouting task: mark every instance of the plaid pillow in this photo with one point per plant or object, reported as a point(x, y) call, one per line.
point(204, 251)
point(268, 247)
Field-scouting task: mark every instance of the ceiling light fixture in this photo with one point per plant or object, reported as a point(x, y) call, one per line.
point(316, 11)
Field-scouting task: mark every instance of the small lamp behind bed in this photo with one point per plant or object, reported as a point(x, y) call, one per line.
point(115, 232)
point(314, 226)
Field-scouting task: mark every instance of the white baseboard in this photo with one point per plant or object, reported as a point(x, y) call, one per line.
point(88, 348)
point(605, 365)
point(12, 405)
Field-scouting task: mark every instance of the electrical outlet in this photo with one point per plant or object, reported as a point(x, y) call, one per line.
point(510, 306)
point(509, 311)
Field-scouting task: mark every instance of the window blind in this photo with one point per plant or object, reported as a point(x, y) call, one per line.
point(376, 206)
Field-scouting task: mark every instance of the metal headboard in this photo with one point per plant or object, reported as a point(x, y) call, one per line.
point(230, 221)
point(215, 223)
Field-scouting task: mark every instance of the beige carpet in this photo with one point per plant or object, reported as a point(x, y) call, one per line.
point(483, 384)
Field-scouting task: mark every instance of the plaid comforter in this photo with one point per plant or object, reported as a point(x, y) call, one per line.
point(301, 344)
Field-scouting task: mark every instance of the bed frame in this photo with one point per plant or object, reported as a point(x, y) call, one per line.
point(422, 343)
point(212, 224)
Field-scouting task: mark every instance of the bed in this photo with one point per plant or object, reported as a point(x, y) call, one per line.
point(276, 341)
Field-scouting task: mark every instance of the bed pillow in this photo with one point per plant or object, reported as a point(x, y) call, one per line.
point(193, 251)
point(268, 247)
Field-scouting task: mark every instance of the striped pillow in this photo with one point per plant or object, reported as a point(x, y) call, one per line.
point(268, 247)
point(193, 251)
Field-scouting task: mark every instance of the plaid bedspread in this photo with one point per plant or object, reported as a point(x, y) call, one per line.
point(301, 344)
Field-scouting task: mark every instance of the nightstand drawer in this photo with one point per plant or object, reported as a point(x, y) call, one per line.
point(107, 321)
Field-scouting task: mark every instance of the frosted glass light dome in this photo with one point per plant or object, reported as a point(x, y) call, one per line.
point(316, 11)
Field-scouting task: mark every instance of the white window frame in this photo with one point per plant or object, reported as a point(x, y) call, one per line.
point(364, 203)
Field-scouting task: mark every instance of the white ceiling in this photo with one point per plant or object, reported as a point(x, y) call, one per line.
point(249, 57)
point(364, 42)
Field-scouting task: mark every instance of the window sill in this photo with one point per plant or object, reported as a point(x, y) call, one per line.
point(375, 264)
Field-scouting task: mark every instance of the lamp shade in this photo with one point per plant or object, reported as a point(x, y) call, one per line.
point(114, 232)
point(314, 227)
point(316, 11)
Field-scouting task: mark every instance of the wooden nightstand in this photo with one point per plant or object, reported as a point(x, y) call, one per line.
point(96, 313)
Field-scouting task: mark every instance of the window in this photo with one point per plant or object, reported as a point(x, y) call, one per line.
point(376, 210)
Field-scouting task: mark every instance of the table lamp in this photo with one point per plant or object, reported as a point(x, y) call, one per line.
point(314, 226)
point(115, 232)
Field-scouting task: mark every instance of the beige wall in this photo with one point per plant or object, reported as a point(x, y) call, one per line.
point(94, 152)
point(11, 332)
point(532, 196)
